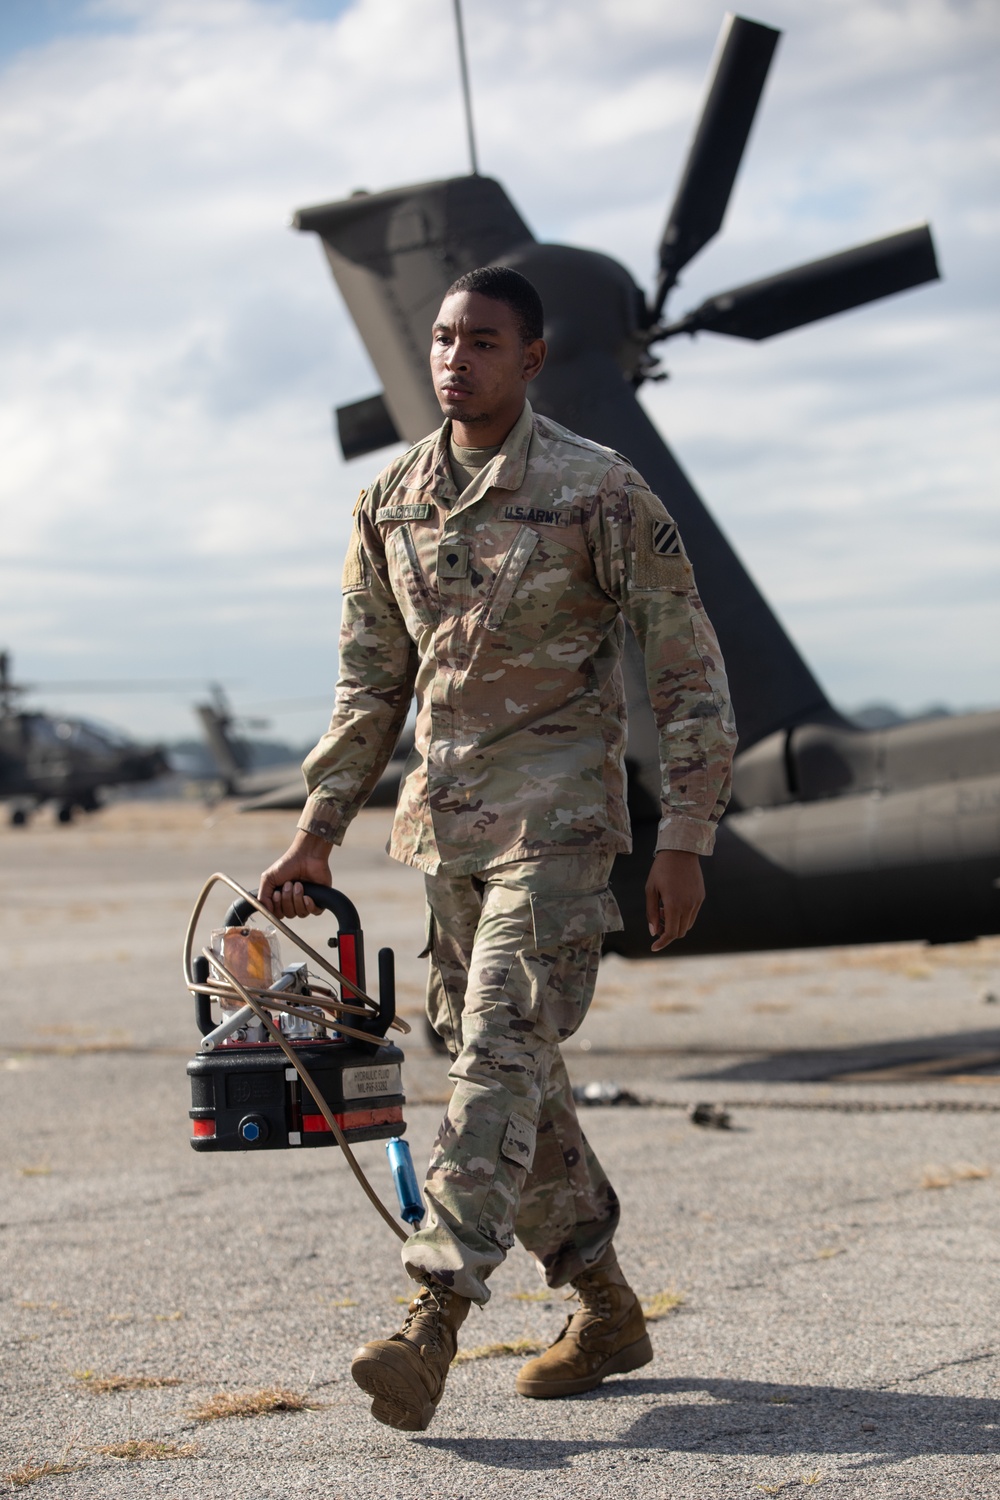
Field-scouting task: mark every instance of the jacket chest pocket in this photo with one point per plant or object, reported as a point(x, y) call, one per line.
point(529, 585)
point(410, 583)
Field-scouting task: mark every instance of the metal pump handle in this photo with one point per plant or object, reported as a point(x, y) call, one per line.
point(349, 925)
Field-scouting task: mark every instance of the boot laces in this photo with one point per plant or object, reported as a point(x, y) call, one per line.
point(595, 1300)
point(595, 1306)
point(426, 1310)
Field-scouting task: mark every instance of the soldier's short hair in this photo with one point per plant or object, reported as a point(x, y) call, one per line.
point(504, 284)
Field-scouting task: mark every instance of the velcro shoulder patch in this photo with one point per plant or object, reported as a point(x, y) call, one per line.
point(666, 539)
point(657, 559)
point(355, 565)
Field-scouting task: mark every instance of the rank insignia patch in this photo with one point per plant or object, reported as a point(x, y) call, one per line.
point(453, 560)
point(666, 542)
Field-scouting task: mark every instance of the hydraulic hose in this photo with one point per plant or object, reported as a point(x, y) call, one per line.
point(249, 998)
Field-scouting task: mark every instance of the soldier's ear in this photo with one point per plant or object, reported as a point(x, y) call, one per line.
point(534, 358)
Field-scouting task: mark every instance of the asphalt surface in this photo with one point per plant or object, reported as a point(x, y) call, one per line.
point(835, 1251)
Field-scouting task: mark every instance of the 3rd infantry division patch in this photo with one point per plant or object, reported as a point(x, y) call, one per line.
point(666, 542)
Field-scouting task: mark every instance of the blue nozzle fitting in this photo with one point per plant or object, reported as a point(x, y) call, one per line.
point(404, 1179)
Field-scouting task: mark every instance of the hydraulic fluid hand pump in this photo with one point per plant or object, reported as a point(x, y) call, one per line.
point(294, 1062)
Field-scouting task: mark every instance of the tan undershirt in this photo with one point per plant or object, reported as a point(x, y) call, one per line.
point(466, 463)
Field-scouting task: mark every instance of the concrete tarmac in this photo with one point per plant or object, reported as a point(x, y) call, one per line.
point(831, 1260)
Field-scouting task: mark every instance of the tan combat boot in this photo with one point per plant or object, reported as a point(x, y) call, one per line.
point(405, 1374)
point(605, 1336)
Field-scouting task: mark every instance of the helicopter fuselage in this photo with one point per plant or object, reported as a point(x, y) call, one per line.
point(67, 761)
point(835, 834)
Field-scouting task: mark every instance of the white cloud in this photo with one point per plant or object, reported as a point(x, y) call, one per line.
point(172, 499)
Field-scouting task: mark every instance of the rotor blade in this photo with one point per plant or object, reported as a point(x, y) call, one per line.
point(819, 289)
point(744, 56)
point(365, 426)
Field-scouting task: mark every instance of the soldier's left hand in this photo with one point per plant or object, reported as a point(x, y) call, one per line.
point(674, 893)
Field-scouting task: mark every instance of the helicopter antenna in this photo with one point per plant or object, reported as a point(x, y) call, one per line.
point(466, 93)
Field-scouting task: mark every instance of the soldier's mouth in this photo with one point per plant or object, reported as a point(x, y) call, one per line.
point(455, 390)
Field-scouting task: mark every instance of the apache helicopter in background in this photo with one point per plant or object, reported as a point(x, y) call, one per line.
point(835, 834)
point(232, 755)
point(68, 761)
point(279, 786)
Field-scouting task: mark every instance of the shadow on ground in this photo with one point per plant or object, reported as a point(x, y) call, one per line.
point(751, 1417)
point(928, 1058)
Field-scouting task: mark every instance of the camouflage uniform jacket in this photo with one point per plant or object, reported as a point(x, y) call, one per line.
point(503, 610)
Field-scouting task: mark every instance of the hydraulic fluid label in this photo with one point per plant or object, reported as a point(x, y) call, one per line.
point(368, 1083)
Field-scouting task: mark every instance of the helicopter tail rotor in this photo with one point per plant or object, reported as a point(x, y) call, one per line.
point(743, 58)
point(817, 290)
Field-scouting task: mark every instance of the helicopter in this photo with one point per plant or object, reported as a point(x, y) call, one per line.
point(835, 834)
point(277, 787)
point(232, 755)
point(66, 761)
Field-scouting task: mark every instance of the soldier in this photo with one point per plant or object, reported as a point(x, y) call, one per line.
point(491, 570)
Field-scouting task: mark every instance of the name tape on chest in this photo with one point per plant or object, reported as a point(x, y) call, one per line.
point(415, 511)
point(538, 516)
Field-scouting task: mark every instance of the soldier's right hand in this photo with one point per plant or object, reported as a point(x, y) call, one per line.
point(280, 887)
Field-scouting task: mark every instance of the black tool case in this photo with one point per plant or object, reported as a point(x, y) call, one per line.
point(248, 1097)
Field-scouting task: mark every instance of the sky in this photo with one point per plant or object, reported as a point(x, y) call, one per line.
point(173, 503)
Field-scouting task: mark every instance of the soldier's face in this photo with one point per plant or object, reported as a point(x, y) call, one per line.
point(481, 365)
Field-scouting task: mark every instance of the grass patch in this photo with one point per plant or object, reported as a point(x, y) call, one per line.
point(943, 1177)
point(935, 1177)
point(52, 1307)
point(105, 1383)
point(140, 1449)
point(499, 1351)
point(31, 1470)
point(662, 1305)
point(545, 1295)
point(39, 1169)
point(251, 1404)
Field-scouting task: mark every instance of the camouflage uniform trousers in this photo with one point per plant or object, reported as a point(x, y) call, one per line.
point(514, 953)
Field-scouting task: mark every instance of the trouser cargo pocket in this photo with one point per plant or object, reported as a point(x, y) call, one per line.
point(514, 1156)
